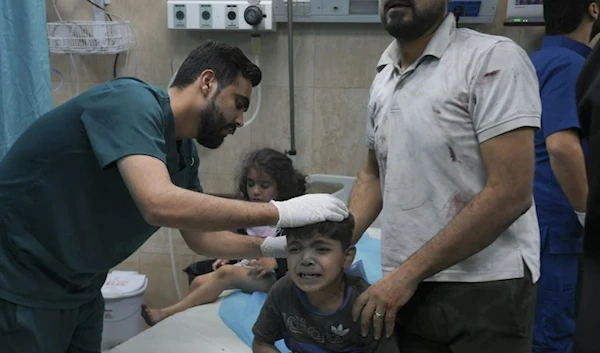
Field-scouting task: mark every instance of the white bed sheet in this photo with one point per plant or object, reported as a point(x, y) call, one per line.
point(196, 330)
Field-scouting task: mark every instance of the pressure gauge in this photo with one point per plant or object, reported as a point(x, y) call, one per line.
point(253, 15)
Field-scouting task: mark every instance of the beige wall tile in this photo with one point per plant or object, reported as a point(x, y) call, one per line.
point(62, 63)
point(339, 130)
point(149, 20)
point(128, 64)
point(274, 56)
point(152, 65)
point(63, 93)
point(531, 38)
point(226, 158)
point(68, 10)
point(157, 243)
point(207, 180)
point(346, 55)
point(161, 287)
point(223, 184)
point(272, 127)
point(95, 68)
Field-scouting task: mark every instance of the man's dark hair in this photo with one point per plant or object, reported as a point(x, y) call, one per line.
point(564, 16)
point(225, 60)
point(340, 231)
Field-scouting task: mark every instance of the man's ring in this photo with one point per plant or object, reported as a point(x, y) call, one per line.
point(378, 315)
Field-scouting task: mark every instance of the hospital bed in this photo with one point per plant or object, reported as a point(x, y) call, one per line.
point(200, 329)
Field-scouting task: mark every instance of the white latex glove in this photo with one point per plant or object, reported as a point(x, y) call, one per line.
point(581, 217)
point(309, 209)
point(274, 247)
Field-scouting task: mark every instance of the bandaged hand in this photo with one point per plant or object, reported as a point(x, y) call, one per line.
point(581, 217)
point(274, 247)
point(309, 209)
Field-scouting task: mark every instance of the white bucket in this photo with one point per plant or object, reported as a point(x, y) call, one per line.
point(123, 294)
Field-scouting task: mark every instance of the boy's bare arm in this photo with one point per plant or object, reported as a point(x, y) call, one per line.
point(263, 347)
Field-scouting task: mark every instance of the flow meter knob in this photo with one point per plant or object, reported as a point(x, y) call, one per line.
point(253, 15)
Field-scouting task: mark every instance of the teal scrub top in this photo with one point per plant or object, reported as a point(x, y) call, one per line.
point(66, 216)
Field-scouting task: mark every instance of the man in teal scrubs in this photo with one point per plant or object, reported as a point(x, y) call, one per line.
point(89, 182)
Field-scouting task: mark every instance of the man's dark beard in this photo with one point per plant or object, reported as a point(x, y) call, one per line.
point(419, 25)
point(212, 124)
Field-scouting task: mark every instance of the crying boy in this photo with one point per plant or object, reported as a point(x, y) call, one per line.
point(311, 307)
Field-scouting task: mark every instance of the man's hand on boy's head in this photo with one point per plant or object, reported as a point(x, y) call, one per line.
point(310, 208)
point(380, 303)
point(263, 266)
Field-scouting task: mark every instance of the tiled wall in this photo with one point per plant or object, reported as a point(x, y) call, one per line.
point(334, 67)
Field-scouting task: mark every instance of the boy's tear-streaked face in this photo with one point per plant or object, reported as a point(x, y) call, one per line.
point(315, 262)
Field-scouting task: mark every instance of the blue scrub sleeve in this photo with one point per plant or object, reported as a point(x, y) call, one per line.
point(125, 122)
point(559, 105)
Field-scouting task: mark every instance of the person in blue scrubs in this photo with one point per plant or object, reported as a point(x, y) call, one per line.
point(560, 187)
point(90, 181)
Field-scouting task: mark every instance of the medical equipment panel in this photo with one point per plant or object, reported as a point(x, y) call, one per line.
point(220, 15)
point(230, 14)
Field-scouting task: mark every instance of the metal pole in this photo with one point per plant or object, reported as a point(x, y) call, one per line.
point(292, 151)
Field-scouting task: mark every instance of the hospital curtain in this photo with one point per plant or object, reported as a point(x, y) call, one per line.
point(25, 87)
